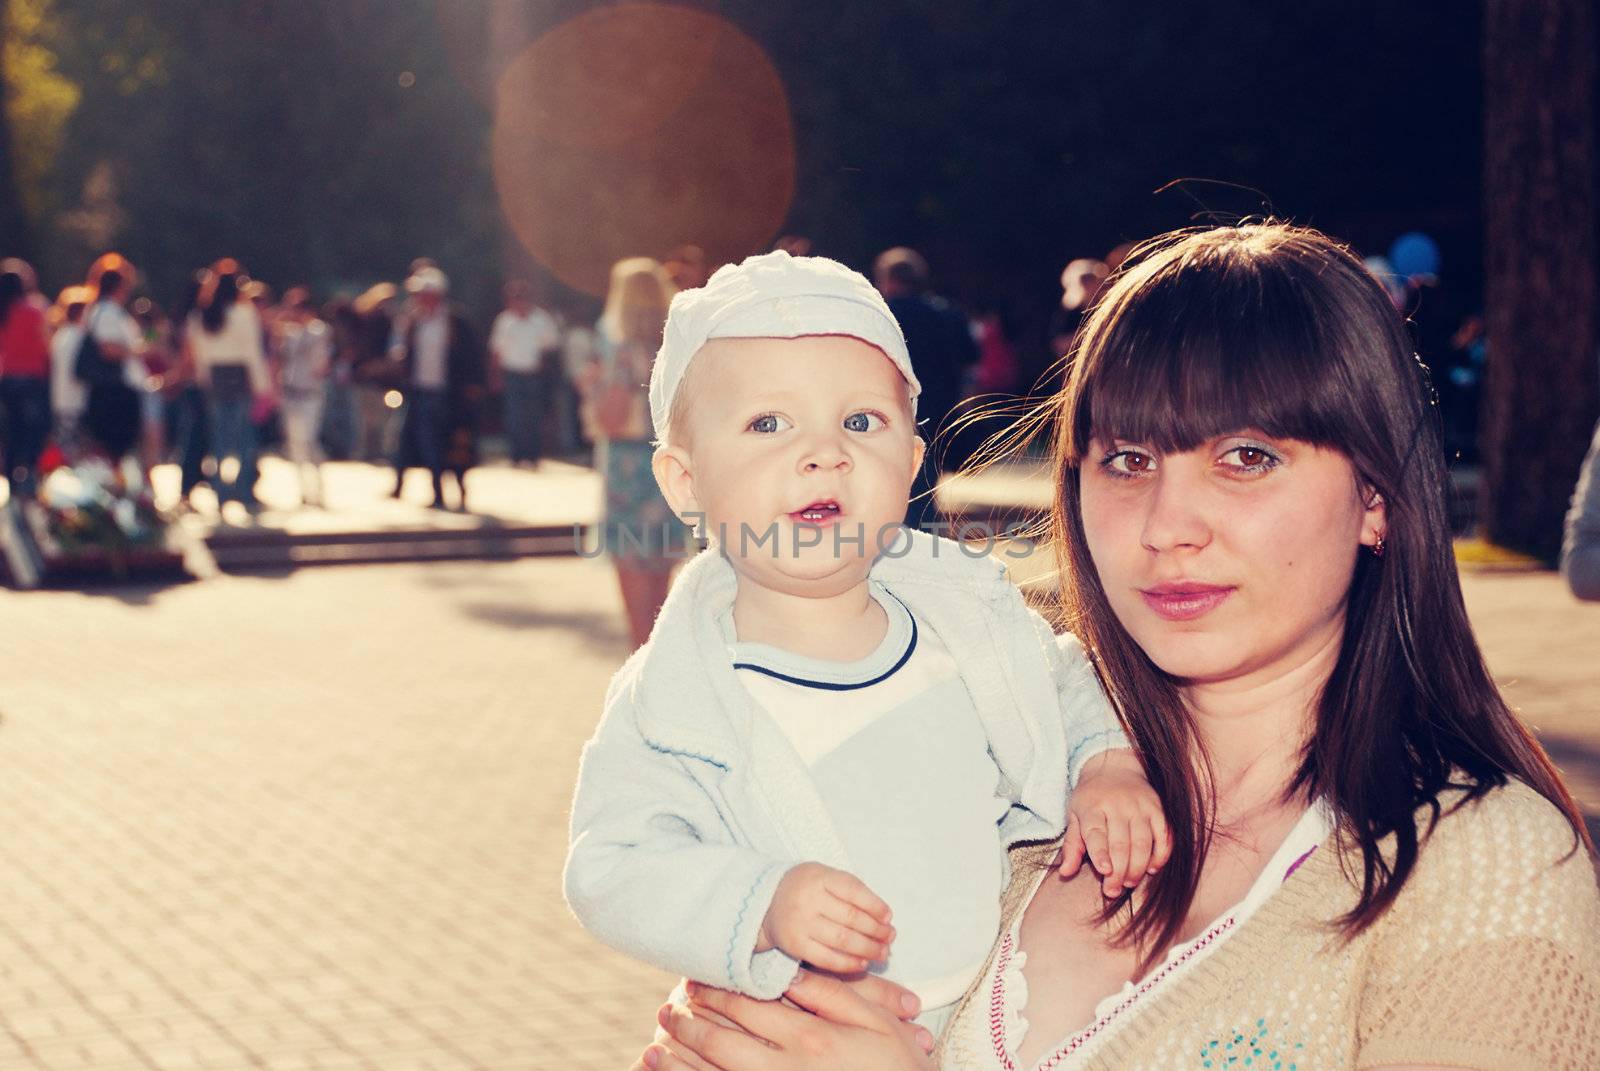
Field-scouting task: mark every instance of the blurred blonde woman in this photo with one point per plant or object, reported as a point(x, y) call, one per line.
point(639, 530)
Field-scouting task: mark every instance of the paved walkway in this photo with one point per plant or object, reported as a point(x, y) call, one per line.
point(357, 498)
point(313, 821)
point(317, 820)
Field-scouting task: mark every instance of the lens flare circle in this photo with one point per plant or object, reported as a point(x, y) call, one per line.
point(636, 128)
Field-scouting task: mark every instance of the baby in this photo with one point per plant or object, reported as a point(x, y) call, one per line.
point(838, 725)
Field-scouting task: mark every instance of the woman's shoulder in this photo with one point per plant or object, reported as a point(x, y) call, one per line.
point(1508, 845)
point(243, 312)
point(1514, 810)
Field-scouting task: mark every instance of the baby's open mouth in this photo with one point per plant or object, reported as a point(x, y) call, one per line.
point(820, 512)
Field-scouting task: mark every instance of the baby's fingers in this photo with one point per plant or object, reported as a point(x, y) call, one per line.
point(1097, 842)
point(1118, 843)
point(856, 943)
point(839, 961)
point(848, 943)
point(853, 918)
point(1162, 835)
point(853, 891)
point(1070, 858)
point(1141, 841)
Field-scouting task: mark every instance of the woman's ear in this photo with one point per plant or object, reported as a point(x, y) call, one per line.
point(1375, 521)
point(675, 477)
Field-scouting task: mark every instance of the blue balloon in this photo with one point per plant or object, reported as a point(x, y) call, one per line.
point(1413, 254)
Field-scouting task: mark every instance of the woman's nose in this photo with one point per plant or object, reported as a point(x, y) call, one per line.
point(1176, 517)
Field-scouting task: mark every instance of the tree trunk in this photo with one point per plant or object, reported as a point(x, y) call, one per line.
point(1543, 376)
point(15, 234)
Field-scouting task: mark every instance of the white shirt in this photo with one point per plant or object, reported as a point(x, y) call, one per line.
point(520, 341)
point(237, 342)
point(304, 351)
point(68, 395)
point(112, 323)
point(430, 355)
point(897, 752)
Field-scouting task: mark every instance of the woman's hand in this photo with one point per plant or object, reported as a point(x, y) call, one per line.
point(838, 1028)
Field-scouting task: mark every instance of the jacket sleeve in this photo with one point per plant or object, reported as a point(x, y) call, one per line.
point(1069, 731)
point(653, 870)
point(1091, 725)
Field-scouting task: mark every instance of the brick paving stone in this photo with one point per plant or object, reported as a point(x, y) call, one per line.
point(316, 821)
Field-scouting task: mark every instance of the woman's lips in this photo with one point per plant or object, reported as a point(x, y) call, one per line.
point(1184, 602)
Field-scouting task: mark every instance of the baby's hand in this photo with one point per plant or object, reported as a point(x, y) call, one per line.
point(827, 918)
point(1115, 816)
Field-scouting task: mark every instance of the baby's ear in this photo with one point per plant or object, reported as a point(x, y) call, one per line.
point(918, 448)
point(675, 477)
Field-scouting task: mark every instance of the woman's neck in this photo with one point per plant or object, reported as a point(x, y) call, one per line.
point(1255, 727)
point(842, 627)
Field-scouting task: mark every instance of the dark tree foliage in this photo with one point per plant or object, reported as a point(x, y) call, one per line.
point(15, 230)
point(1003, 138)
point(330, 142)
point(1008, 137)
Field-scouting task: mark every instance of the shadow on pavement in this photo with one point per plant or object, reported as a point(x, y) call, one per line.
point(137, 591)
point(604, 630)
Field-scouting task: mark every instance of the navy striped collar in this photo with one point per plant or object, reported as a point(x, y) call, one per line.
point(899, 641)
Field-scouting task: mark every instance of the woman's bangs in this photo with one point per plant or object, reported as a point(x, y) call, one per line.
point(1171, 374)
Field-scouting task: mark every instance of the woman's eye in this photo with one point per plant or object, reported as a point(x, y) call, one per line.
point(768, 423)
point(863, 421)
point(1128, 463)
point(1252, 458)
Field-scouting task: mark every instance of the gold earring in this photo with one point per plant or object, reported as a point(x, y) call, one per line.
point(1378, 548)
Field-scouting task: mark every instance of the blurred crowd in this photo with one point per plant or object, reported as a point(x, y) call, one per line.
point(399, 375)
point(396, 375)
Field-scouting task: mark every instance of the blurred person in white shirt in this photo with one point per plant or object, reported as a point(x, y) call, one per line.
point(227, 347)
point(304, 345)
point(522, 336)
point(68, 396)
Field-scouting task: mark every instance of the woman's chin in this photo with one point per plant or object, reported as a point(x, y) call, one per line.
point(1193, 659)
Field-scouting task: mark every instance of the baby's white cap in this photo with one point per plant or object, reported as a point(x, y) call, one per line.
point(773, 295)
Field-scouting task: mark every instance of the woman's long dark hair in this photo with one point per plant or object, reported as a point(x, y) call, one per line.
point(218, 296)
point(1280, 329)
point(106, 285)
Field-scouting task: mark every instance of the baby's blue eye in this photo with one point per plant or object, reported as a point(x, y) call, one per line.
point(768, 424)
point(863, 422)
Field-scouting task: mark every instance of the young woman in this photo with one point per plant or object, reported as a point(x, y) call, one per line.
point(1376, 866)
point(225, 343)
point(644, 537)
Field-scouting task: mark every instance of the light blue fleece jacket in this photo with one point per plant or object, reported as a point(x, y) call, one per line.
point(691, 805)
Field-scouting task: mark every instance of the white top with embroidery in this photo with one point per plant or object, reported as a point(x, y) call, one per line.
point(1006, 989)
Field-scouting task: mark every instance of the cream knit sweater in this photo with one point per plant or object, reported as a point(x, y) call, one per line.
point(1489, 958)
